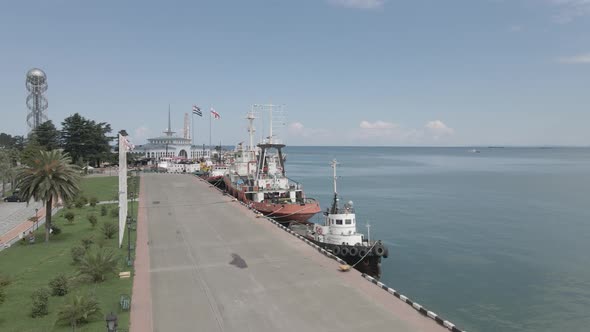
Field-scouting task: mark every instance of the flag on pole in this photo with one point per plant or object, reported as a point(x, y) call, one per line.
point(215, 114)
point(128, 145)
point(197, 110)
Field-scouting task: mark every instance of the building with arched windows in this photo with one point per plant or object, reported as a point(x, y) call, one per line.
point(171, 146)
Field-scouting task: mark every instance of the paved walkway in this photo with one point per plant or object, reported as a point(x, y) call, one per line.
point(213, 266)
point(12, 215)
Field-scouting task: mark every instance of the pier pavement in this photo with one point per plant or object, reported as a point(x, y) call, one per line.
point(206, 263)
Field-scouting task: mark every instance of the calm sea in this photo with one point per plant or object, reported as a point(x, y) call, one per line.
point(492, 241)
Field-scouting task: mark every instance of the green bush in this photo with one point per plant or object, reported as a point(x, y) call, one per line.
point(115, 212)
point(4, 280)
point(79, 309)
point(97, 265)
point(92, 201)
point(40, 299)
point(70, 216)
point(109, 230)
point(59, 285)
point(55, 230)
point(103, 210)
point(93, 220)
point(68, 205)
point(87, 242)
point(80, 202)
point(77, 253)
point(2, 295)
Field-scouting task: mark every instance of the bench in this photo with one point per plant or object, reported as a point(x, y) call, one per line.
point(125, 302)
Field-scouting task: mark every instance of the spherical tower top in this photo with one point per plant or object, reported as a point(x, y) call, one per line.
point(36, 76)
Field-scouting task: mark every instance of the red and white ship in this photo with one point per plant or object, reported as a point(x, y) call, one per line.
point(257, 177)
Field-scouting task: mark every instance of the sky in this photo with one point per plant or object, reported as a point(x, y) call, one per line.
point(348, 72)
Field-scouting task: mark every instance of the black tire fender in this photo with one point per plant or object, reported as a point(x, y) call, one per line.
point(344, 251)
point(379, 250)
point(336, 250)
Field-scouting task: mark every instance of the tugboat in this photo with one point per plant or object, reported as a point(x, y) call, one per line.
point(257, 178)
point(339, 235)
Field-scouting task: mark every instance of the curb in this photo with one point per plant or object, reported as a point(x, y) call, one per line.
point(413, 304)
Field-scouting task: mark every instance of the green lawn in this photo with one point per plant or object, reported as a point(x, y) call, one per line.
point(32, 266)
point(104, 188)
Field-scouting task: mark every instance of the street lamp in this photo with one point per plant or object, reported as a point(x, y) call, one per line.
point(129, 240)
point(111, 320)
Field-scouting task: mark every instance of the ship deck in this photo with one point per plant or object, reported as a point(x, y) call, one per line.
point(214, 266)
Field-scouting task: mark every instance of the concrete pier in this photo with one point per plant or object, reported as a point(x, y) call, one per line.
point(213, 266)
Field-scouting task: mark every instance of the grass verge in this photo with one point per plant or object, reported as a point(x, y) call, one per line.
point(31, 266)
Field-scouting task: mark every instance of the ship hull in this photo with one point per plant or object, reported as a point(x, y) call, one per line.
point(216, 180)
point(284, 213)
point(370, 264)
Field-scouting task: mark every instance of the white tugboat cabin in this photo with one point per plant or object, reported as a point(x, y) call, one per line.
point(340, 223)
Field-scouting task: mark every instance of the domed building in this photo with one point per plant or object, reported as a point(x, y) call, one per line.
point(171, 146)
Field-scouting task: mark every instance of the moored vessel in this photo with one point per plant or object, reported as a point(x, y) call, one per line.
point(339, 235)
point(257, 177)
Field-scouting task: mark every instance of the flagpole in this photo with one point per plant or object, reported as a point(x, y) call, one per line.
point(193, 127)
point(210, 116)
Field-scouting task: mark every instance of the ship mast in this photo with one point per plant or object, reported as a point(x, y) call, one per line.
point(251, 129)
point(334, 163)
point(334, 208)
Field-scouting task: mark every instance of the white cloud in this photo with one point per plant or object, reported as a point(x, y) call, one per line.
point(576, 59)
point(361, 4)
point(516, 28)
point(377, 125)
point(570, 9)
point(437, 129)
point(140, 135)
point(383, 132)
point(297, 129)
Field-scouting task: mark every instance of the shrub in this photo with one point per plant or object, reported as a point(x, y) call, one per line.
point(4, 281)
point(2, 295)
point(109, 230)
point(79, 309)
point(55, 230)
point(93, 220)
point(68, 205)
point(40, 299)
point(115, 212)
point(103, 210)
point(97, 265)
point(80, 202)
point(77, 253)
point(70, 216)
point(92, 201)
point(59, 285)
point(87, 242)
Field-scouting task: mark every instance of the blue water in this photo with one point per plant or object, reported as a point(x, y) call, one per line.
point(492, 241)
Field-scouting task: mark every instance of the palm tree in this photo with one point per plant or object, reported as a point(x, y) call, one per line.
point(98, 265)
point(79, 309)
point(49, 176)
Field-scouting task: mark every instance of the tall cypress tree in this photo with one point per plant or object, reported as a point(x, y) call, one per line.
point(47, 136)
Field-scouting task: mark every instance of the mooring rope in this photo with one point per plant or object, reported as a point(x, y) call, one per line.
point(368, 252)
